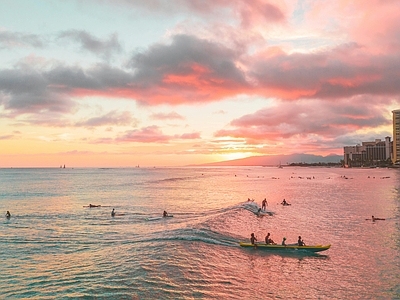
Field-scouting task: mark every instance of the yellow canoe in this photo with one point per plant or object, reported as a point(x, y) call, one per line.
point(312, 248)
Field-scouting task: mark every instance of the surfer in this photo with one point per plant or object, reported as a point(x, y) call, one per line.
point(113, 213)
point(300, 242)
point(165, 214)
point(375, 219)
point(264, 204)
point(8, 215)
point(284, 202)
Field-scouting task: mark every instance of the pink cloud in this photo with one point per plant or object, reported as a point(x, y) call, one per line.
point(374, 24)
point(110, 118)
point(150, 134)
point(249, 12)
point(313, 122)
point(167, 116)
point(6, 137)
point(189, 136)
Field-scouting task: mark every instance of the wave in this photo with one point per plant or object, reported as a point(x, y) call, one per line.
point(194, 235)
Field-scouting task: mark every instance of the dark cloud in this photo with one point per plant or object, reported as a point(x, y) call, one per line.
point(29, 91)
point(181, 58)
point(190, 69)
point(344, 71)
point(10, 40)
point(93, 44)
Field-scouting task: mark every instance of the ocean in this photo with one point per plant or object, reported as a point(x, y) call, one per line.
point(56, 247)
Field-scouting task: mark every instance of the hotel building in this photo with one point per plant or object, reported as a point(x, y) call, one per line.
point(369, 153)
point(396, 136)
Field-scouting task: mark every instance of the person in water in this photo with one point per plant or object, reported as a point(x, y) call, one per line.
point(284, 202)
point(253, 239)
point(284, 242)
point(165, 214)
point(91, 205)
point(264, 204)
point(375, 219)
point(300, 242)
point(8, 215)
point(113, 212)
point(268, 239)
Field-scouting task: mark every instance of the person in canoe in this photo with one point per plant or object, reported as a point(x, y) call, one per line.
point(284, 242)
point(264, 204)
point(8, 215)
point(253, 240)
point(268, 239)
point(113, 213)
point(300, 242)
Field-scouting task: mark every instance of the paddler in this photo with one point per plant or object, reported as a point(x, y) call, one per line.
point(253, 240)
point(268, 239)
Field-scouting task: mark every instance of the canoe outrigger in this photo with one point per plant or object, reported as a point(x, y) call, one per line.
point(314, 248)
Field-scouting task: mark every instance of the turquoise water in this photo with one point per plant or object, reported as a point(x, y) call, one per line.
point(53, 247)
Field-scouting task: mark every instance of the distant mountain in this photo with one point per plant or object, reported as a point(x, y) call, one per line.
point(275, 160)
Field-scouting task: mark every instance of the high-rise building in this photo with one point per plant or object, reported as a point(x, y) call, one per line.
point(396, 136)
point(368, 153)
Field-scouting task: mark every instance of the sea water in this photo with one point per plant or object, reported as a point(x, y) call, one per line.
point(55, 247)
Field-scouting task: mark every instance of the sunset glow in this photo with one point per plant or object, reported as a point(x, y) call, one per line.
point(170, 83)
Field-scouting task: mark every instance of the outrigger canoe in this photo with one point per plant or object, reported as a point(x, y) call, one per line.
point(314, 248)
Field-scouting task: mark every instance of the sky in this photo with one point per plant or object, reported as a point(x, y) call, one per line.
point(122, 83)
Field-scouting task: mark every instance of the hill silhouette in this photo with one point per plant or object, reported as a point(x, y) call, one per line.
point(276, 160)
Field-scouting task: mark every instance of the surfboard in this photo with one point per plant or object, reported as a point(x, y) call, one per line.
point(158, 218)
point(117, 215)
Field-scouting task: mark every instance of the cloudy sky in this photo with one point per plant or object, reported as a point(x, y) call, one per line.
point(120, 83)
